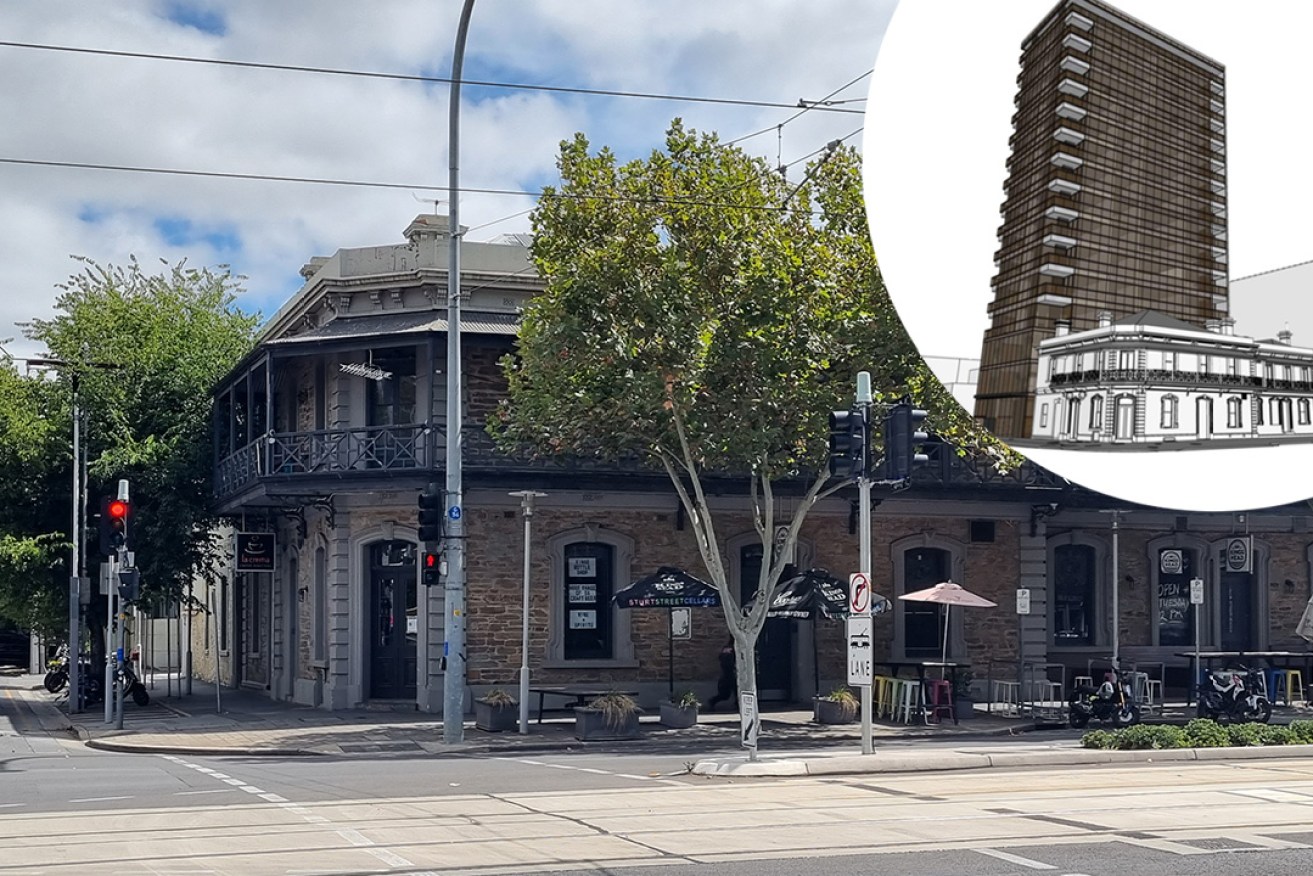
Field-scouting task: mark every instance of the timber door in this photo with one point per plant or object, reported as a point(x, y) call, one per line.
point(1235, 609)
point(393, 620)
point(775, 644)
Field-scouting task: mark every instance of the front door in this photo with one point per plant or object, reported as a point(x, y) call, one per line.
point(393, 620)
point(1236, 611)
point(775, 644)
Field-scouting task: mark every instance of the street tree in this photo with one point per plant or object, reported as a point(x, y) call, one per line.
point(706, 314)
point(145, 350)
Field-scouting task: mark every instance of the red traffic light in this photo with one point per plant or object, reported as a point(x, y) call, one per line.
point(430, 560)
point(118, 509)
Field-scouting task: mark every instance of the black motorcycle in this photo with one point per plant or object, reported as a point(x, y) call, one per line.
point(57, 674)
point(132, 684)
point(1113, 702)
point(1234, 695)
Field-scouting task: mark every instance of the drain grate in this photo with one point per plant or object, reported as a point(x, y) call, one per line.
point(1217, 844)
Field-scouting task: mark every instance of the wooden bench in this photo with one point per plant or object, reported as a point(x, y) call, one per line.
point(580, 694)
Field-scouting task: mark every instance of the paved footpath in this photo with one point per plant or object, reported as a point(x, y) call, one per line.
point(242, 722)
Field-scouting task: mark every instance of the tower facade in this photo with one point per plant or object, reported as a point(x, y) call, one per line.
point(1115, 198)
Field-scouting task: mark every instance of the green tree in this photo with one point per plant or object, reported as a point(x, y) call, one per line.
point(707, 314)
point(167, 339)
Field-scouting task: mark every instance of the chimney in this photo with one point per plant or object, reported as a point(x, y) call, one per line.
point(1061, 328)
point(1213, 325)
point(1284, 336)
point(428, 226)
point(1105, 319)
point(1228, 325)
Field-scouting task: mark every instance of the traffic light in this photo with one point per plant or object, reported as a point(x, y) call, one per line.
point(848, 444)
point(902, 439)
point(432, 570)
point(115, 515)
point(431, 514)
point(129, 585)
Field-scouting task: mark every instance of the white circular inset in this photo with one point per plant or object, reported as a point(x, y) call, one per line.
point(937, 146)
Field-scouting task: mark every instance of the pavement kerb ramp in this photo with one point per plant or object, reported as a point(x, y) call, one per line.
point(914, 761)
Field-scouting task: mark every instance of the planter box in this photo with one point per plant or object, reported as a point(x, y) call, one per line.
point(964, 709)
point(830, 712)
point(679, 717)
point(590, 725)
point(495, 719)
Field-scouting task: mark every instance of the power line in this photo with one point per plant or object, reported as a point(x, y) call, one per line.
point(409, 77)
point(806, 107)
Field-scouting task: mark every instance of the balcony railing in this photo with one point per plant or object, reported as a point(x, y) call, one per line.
point(325, 451)
point(1161, 377)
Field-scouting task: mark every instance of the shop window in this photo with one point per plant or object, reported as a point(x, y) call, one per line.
point(587, 579)
point(320, 605)
point(1176, 566)
point(1074, 601)
point(923, 622)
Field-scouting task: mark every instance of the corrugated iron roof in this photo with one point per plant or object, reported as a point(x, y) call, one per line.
point(412, 322)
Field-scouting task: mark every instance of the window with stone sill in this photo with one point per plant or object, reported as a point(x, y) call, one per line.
point(588, 566)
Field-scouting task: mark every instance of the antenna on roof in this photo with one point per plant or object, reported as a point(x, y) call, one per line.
point(426, 200)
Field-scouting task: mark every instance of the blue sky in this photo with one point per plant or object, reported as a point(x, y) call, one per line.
point(97, 109)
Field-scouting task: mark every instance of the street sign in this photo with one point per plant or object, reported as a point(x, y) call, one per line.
point(859, 594)
point(1196, 591)
point(1023, 601)
point(454, 512)
point(748, 720)
point(860, 666)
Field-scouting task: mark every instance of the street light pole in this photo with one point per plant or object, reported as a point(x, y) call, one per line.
point(864, 527)
point(526, 498)
point(75, 579)
point(453, 690)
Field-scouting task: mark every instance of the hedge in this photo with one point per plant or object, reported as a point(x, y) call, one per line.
point(1199, 733)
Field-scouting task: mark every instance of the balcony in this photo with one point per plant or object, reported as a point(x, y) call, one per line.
point(1218, 125)
point(1068, 136)
point(1076, 43)
point(1217, 106)
point(1219, 254)
point(1160, 377)
point(1066, 161)
point(1219, 166)
point(1218, 186)
point(1064, 187)
point(1219, 146)
point(1072, 64)
point(1218, 88)
point(1076, 20)
point(1219, 209)
point(1073, 88)
point(1061, 214)
point(1059, 241)
point(1052, 269)
point(1070, 111)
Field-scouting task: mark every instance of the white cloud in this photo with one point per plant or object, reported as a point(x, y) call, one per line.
point(112, 110)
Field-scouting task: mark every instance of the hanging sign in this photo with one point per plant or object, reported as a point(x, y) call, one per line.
point(1170, 562)
point(1239, 553)
point(255, 552)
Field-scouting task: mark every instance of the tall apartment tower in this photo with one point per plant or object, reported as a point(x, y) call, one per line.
point(1115, 197)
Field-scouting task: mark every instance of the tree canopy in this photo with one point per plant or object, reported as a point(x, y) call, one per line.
point(144, 351)
point(707, 313)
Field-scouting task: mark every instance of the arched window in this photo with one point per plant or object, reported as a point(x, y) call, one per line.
point(1074, 595)
point(922, 561)
point(589, 565)
point(1096, 414)
point(1234, 413)
point(1303, 412)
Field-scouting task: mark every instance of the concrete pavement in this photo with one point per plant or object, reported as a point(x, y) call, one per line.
point(245, 722)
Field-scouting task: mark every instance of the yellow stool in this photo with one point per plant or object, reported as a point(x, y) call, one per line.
point(1286, 682)
point(883, 689)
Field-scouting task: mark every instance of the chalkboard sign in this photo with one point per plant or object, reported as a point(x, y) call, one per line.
point(1175, 614)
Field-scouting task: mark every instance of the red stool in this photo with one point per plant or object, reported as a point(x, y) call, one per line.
point(939, 700)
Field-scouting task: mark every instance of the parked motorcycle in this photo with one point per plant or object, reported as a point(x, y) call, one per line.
point(57, 670)
point(132, 684)
point(1234, 695)
point(1109, 701)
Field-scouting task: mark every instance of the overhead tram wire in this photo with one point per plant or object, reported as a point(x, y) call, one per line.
point(807, 106)
point(413, 77)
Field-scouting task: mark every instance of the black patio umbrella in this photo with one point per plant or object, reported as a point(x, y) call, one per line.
point(669, 588)
point(807, 595)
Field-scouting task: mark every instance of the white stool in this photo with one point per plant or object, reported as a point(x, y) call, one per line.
point(1008, 695)
point(907, 694)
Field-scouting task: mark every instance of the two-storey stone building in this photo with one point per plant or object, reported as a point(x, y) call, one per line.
point(328, 431)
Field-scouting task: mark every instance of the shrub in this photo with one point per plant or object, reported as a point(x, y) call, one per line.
point(1274, 734)
point(1246, 734)
point(687, 700)
point(1098, 739)
point(1302, 731)
point(1206, 733)
point(1151, 736)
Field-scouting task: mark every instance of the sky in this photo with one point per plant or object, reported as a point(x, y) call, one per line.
point(940, 109)
point(108, 109)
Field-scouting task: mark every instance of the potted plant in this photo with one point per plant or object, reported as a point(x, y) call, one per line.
point(681, 712)
point(496, 711)
point(964, 703)
point(839, 706)
point(613, 715)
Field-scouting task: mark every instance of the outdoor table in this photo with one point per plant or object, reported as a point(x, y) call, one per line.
point(580, 693)
point(1209, 658)
point(921, 666)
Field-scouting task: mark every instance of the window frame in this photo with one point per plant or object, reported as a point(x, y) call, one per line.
point(622, 557)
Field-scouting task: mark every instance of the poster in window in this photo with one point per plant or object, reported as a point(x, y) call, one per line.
point(681, 623)
point(583, 567)
point(585, 593)
point(583, 620)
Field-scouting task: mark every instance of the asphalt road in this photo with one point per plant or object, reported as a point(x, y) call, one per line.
point(68, 809)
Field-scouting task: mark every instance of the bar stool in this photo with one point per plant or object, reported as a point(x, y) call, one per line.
point(884, 695)
point(1008, 694)
point(1079, 680)
point(1286, 682)
point(907, 695)
point(940, 700)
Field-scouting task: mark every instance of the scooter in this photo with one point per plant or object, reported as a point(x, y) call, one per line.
point(1111, 701)
point(128, 679)
point(1234, 695)
point(57, 674)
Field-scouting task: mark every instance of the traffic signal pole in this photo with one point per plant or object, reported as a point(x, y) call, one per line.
point(75, 567)
point(864, 530)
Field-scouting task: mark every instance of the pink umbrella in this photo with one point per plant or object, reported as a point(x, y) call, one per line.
point(948, 594)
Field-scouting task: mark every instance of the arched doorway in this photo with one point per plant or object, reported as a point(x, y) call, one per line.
point(392, 620)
